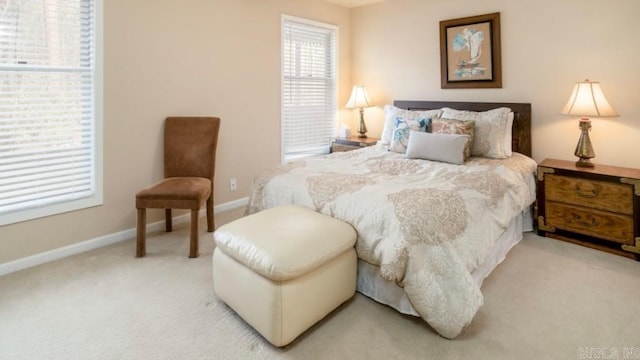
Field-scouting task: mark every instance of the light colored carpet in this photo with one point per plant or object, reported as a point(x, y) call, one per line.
point(548, 300)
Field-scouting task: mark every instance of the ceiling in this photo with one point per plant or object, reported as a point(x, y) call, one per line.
point(353, 3)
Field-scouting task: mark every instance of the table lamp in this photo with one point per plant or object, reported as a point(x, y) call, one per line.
point(359, 99)
point(587, 99)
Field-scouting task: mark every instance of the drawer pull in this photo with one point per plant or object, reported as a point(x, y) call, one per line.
point(578, 219)
point(587, 193)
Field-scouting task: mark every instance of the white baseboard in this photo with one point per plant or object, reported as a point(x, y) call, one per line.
point(45, 257)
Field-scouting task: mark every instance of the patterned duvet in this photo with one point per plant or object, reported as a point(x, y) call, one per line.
point(428, 225)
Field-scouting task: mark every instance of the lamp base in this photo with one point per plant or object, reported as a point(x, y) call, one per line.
point(362, 131)
point(584, 149)
point(584, 162)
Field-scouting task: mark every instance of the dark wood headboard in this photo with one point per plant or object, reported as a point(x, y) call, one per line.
point(521, 141)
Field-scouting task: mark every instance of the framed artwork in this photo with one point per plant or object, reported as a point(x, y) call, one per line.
point(470, 52)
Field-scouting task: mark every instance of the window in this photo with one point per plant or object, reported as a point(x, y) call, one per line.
point(50, 107)
point(309, 116)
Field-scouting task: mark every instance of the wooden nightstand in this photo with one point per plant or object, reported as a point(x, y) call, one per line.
point(352, 143)
point(597, 207)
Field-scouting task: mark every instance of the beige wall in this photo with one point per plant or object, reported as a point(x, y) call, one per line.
point(221, 57)
point(547, 45)
point(188, 57)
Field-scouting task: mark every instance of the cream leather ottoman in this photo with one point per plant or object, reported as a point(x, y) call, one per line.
point(284, 269)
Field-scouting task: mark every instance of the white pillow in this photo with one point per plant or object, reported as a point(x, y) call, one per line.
point(490, 130)
point(392, 112)
point(439, 147)
point(508, 136)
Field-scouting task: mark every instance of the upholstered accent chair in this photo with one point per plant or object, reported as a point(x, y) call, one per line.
point(189, 166)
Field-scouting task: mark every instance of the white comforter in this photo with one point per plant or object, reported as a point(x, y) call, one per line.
point(428, 225)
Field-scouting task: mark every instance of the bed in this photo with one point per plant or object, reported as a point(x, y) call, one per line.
point(429, 232)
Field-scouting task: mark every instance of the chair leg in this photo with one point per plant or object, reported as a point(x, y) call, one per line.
point(168, 220)
point(141, 233)
point(211, 225)
point(193, 248)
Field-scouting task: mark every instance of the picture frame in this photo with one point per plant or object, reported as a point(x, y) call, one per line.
point(470, 54)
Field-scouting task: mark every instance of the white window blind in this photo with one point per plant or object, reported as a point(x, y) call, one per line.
point(309, 115)
point(47, 105)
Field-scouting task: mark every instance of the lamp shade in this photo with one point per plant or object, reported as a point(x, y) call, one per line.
point(587, 99)
point(359, 98)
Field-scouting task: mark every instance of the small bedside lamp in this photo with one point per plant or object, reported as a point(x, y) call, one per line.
point(359, 99)
point(587, 99)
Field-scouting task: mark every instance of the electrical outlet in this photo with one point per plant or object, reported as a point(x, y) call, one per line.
point(233, 184)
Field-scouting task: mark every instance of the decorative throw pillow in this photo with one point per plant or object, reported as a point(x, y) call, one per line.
point(392, 113)
point(439, 147)
point(458, 127)
point(402, 131)
point(490, 130)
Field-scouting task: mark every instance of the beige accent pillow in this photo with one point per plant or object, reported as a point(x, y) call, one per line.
point(490, 133)
point(447, 148)
point(456, 127)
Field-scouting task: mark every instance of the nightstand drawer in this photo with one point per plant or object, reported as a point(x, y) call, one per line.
point(342, 147)
point(352, 143)
point(591, 193)
point(601, 224)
